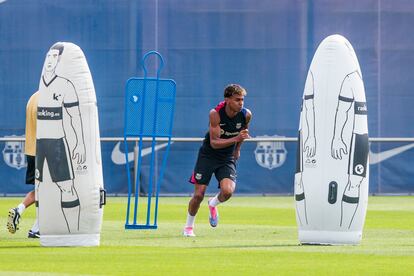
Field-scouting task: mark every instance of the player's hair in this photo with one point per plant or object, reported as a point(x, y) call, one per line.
point(58, 47)
point(234, 89)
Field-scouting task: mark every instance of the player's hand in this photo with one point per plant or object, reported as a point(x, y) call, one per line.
point(338, 148)
point(79, 153)
point(244, 134)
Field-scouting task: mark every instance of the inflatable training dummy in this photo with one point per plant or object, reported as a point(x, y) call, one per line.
point(69, 182)
point(331, 180)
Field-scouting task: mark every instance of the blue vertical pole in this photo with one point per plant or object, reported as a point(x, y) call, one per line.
point(154, 134)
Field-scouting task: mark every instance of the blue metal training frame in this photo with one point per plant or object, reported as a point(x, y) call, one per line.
point(149, 112)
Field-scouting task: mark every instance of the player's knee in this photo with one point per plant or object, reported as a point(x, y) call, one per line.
point(198, 197)
point(227, 192)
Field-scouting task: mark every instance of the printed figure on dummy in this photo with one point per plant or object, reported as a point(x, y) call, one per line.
point(307, 150)
point(58, 95)
point(358, 162)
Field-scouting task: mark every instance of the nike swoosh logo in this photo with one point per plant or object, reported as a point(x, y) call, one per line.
point(378, 157)
point(118, 157)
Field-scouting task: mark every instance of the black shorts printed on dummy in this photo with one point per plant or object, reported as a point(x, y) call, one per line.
point(31, 168)
point(207, 165)
point(358, 160)
point(56, 153)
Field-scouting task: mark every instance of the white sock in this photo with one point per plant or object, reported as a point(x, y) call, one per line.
point(35, 227)
point(190, 220)
point(214, 201)
point(21, 208)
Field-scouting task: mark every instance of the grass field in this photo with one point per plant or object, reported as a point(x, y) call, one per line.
point(256, 236)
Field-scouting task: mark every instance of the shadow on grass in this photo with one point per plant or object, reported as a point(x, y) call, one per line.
point(22, 246)
point(250, 246)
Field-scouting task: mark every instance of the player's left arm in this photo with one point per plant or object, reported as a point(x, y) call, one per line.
point(71, 105)
point(236, 152)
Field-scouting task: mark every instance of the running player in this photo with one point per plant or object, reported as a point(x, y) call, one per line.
point(220, 150)
point(30, 152)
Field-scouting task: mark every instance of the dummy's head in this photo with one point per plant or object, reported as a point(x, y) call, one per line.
point(53, 57)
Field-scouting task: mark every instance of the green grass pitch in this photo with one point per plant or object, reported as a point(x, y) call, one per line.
point(256, 236)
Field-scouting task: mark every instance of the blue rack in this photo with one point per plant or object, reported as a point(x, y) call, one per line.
point(149, 113)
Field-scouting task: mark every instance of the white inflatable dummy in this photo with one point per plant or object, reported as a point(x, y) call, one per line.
point(332, 172)
point(69, 182)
